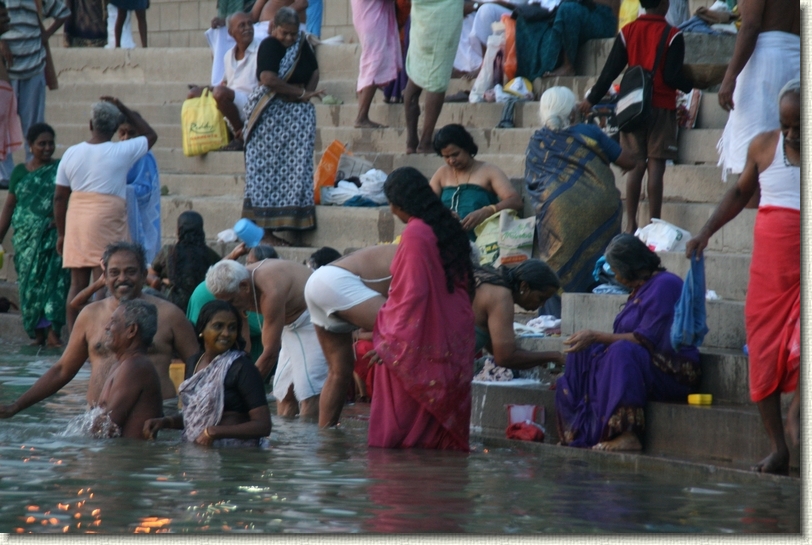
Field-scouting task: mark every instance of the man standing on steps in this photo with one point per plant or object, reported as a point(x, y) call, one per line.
point(23, 51)
point(766, 56)
point(772, 310)
point(274, 288)
point(125, 271)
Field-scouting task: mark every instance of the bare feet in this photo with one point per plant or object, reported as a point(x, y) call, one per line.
point(793, 426)
point(626, 441)
point(565, 70)
point(53, 340)
point(776, 462)
point(274, 240)
point(368, 124)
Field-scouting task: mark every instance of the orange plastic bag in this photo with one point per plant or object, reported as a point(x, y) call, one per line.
point(326, 171)
point(511, 64)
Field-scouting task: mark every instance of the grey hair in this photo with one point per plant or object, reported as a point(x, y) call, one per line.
point(144, 315)
point(231, 18)
point(630, 258)
point(106, 117)
point(792, 86)
point(123, 246)
point(225, 276)
point(555, 108)
point(286, 16)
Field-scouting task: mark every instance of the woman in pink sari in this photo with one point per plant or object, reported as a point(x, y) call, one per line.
point(424, 333)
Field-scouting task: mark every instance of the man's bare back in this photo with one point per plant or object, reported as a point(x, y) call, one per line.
point(782, 15)
point(371, 263)
point(132, 395)
point(267, 9)
point(281, 283)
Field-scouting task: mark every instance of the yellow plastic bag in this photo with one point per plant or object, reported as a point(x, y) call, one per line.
point(629, 10)
point(204, 128)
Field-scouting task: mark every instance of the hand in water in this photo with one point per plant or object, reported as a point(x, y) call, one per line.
point(152, 426)
point(204, 439)
point(7, 411)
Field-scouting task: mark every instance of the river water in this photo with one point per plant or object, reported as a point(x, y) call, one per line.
point(327, 481)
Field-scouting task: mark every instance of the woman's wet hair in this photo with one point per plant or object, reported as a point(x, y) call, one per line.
point(263, 251)
point(630, 258)
point(555, 108)
point(286, 16)
point(322, 257)
point(207, 314)
point(536, 273)
point(410, 191)
point(457, 135)
point(37, 129)
point(106, 117)
point(186, 266)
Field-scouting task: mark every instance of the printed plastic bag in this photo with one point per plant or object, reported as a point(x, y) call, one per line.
point(325, 175)
point(661, 236)
point(487, 240)
point(515, 238)
point(511, 64)
point(349, 166)
point(204, 127)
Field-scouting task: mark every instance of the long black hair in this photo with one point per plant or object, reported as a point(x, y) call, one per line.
point(536, 273)
point(409, 190)
point(187, 263)
point(207, 313)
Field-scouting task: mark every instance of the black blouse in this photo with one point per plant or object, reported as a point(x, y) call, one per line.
point(270, 54)
point(244, 388)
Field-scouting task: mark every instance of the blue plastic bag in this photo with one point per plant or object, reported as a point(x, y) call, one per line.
point(689, 327)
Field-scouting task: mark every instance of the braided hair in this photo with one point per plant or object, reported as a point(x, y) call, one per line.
point(409, 190)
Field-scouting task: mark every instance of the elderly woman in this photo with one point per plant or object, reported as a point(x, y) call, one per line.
point(609, 377)
point(29, 209)
point(573, 191)
point(474, 190)
point(280, 132)
point(528, 285)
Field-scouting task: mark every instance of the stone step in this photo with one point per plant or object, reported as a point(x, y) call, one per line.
point(724, 434)
point(727, 274)
point(725, 319)
point(153, 93)
point(135, 67)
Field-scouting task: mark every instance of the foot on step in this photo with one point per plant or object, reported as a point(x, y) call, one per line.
point(776, 463)
point(368, 124)
point(625, 442)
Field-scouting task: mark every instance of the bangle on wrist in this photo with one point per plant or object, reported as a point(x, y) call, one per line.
point(493, 206)
point(206, 433)
point(303, 93)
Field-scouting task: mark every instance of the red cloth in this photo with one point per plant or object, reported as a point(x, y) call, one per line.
point(362, 366)
point(525, 431)
point(641, 38)
point(772, 309)
point(425, 338)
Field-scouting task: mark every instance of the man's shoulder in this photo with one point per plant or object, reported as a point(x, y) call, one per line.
point(139, 368)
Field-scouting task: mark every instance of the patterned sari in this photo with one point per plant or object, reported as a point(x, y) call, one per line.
point(87, 24)
point(567, 174)
point(43, 282)
point(280, 140)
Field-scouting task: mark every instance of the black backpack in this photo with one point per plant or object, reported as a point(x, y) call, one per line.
point(634, 98)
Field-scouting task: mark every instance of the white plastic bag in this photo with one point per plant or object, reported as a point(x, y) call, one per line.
point(340, 194)
point(661, 236)
point(484, 79)
point(372, 186)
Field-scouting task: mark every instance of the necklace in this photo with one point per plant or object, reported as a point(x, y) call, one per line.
point(198, 363)
point(784, 147)
point(254, 287)
point(470, 171)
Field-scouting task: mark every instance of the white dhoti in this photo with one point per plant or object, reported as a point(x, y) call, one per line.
point(220, 41)
point(775, 60)
point(301, 361)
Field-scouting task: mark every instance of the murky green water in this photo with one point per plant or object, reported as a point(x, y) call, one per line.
point(329, 481)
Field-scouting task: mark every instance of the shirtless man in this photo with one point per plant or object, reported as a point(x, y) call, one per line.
point(274, 288)
point(125, 271)
point(766, 56)
point(132, 392)
point(343, 296)
point(265, 10)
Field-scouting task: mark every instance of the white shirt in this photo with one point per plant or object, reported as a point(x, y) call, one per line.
point(100, 168)
point(241, 75)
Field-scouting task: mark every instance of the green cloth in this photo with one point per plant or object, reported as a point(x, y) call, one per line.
point(230, 7)
point(43, 282)
point(202, 295)
point(483, 337)
point(434, 36)
point(466, 198)
point(539, 44)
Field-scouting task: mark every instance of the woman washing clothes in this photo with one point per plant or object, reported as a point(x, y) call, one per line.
point(223, 398)
point(609, 377)
point(474, 190)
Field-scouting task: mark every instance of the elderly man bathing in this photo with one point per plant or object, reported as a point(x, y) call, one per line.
point(90, 201)
point(274, 288)
point(132, 392)
point(125, 271)
point(343, 296)
point(240, 77)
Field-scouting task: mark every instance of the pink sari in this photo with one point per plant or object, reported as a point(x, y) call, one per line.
point(425, 338)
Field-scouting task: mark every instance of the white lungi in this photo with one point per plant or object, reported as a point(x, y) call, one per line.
point(331, 289)
point(301, 361)
point(775, 61)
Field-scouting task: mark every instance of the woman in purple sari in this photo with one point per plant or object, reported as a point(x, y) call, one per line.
point(609, 377)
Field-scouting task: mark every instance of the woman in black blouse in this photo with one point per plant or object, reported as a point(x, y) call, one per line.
point(280, 132)
point(223, 396)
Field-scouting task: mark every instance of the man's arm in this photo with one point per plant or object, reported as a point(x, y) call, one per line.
point(61, 196)
point(59, 12)
point(673, 75)
point(273, 315)
point(615, 63)
point(751, 13)
point(130, 379)
point(60, 373)
point(503, 341)
point(141, 126)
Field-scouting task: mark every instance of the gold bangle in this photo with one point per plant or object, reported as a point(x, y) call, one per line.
point(206, 433)
point(494, 208)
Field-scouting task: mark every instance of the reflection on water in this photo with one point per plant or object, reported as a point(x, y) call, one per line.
point(94, 422)
point(329, 481)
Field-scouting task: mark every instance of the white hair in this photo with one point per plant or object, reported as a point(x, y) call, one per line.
point(555, 108)
point(792, 86)
point(106, 117)
point(225, 276)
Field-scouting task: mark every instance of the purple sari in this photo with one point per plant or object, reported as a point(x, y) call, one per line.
point(604, 389)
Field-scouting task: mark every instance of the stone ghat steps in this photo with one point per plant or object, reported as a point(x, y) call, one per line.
point(721, 434)
point(473, 116)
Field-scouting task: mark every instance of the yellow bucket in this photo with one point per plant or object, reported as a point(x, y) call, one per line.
point(700, 399)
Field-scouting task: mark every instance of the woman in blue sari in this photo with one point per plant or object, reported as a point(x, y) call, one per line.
point(572, 188)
